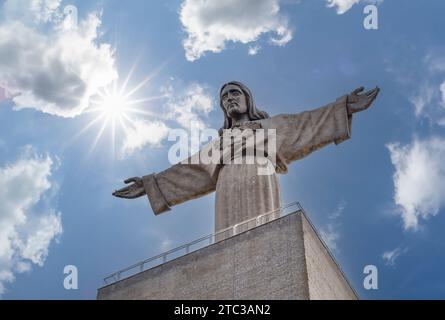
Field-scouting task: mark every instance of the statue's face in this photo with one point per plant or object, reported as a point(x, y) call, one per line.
point(234, 101)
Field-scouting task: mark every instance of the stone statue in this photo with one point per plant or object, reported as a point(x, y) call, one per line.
point(241, 193)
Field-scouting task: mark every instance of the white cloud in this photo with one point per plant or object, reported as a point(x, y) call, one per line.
point(4, 95)
point(32, 10)
point(429, 103)
point(184, 105)
point(189, 105)
point(40, 235)
point(390, 257)
point(419, 179)
point(55, 70)
point(422, 100)
point(211, 24)
point(330, 236)
point(23, 267)
point(253, 50)
point(25, 233)
point(429, 95)
point(442, 89)
point(331, 233)
point(344, 5)
point(143, 132)
point(285, 35)
point(435, 62)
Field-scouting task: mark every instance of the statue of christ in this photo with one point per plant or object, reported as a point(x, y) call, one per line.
point(242, 193)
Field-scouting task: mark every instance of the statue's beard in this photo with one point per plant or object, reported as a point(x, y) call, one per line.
point(234, 111)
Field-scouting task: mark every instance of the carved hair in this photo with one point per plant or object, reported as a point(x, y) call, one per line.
point(253, 112)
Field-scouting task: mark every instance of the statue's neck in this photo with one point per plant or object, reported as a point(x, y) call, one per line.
point(240, 120)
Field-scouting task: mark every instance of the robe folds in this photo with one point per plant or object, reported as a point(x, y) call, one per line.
point(241, 192)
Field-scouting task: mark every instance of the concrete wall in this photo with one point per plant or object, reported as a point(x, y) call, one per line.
point(326, 281)
point(267, 262)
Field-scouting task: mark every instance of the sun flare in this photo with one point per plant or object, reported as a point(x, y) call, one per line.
point(112, 105)
point(117, 108)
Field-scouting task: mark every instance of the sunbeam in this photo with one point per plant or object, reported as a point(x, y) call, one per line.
point(115, 106)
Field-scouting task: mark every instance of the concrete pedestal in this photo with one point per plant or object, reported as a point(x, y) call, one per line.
point(282, 259)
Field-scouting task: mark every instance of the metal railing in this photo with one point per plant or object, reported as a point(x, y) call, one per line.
point(202, 242)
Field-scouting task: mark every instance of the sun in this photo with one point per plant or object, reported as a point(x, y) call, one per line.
point(118, 109)
point(113, 106)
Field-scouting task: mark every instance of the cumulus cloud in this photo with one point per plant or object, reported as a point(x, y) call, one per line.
point(4, 95)
point(343, 6)
point(54, 69)
point(389, 257)
point(35, 11)
point(190, 105)
point(211, 24)
point(25, 232)
point(184, 106)
point(330, 233)
point(142, 133)
point(419, 179)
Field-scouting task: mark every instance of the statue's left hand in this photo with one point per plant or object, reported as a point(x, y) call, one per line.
point(134, 190)
point(358, 102)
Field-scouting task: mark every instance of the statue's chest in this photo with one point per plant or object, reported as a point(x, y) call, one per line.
point(248, 140)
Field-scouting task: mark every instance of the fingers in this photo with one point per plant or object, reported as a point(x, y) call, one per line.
point(118, 195)
point(377, 91)
point(131, 191)
point(130, 180)
point(358, 90)
point(373, 95)
point(372, 92)
point(133, 179)
point(120, 192)
point(126, 194)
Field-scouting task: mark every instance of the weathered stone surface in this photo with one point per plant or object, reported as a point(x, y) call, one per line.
point(283, 259)
point(326, 280)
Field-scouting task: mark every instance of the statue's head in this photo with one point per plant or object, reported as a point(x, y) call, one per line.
point(236, 99)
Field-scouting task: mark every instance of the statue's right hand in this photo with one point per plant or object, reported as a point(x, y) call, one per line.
point(134, 190)
point(358, 101)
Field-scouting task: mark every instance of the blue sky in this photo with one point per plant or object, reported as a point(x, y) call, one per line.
point(377, 198)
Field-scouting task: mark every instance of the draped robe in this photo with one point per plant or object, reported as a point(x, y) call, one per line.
point(241, 193)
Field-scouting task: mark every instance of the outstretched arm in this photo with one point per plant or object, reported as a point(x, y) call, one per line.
point(179, 183)
point(300, 134)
